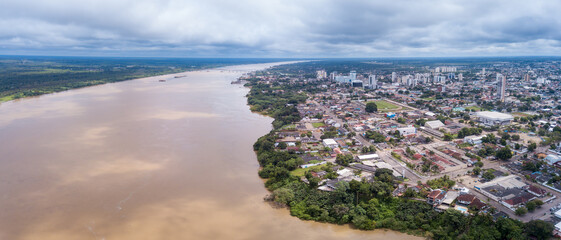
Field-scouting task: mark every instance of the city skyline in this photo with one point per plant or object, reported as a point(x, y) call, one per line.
point(298, 29)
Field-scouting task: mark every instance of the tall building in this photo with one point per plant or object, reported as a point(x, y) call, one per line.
point(439, 79)
point(346, 79)
point(404, 79)
point(501, 81)
point(451, 76)
point(527, 77)
point(445, 69)
point(321, 74)
point(460, 77)
point(333, 75)
point(372, 83)
point(394, 77)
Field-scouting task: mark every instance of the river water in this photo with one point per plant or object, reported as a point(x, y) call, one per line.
point(143, 159)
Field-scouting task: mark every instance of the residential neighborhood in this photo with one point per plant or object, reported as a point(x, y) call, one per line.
point(498, 151)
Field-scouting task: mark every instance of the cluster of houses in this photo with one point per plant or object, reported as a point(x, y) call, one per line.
point(510, 191)
point(459, 199)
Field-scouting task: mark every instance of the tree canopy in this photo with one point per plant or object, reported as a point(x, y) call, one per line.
point(371, 107)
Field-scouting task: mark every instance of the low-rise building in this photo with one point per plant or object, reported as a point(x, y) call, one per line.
point(436, 196)
point(494, 118)
point(475, 140)
point(406, 131)
point(436, 124)
point(368, 157)
point(331, 143)
point(465, 199)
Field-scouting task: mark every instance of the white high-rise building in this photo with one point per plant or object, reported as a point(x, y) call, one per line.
point(404, 79)
point(394, 77)
point(352, 75)
point(372, 83)
point(501, 81)
point(444, 69)
point(321, 74)
point(439, 79)
point(460, 77)
point(333, 75)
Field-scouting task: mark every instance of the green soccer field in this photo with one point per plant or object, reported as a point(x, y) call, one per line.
point(385, 106)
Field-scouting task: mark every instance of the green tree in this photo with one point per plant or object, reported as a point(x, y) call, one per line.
point(283, 195)
point(343, 159)
point(478, 164)
point(531, 206)
point(504, 154)
point(539, 229)
point(476, 171)
point(363, 223)
point(313, 181)
point(488, 175)
point(532, 146)
point(521, 211)
point(371, 107)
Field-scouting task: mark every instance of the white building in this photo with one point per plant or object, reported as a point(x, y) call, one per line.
point(346, 79)
point(436, 124)
point(475, 140)
point(331, 143)
point(494, 118)
point(394, 77)
point(552, 159)
point(372, 83)
point(321, 74)
point(439, 79)
point(405, 131)
point(368, 157)
point(445, 69)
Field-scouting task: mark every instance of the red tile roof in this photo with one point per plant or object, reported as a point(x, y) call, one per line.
point(466, 198)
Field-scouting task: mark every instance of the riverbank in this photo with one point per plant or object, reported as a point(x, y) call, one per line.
point(276, 167)
point(28, 76)
point(347, 196)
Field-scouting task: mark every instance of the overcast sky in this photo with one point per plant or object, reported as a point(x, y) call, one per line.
point(275, 28)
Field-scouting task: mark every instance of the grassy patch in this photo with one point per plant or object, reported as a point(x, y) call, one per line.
point(318, 124)
point(299, 172)
point(7, 98)
point(464, 145)
point(475, 108)
point(385, 106)
point(289, 127)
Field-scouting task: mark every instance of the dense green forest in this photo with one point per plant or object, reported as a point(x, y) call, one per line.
point(365, 205)
point(23, 76)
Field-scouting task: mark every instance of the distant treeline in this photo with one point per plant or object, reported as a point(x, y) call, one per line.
point(23, 76)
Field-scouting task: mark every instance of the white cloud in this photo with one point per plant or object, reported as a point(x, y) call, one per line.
point(289, 28)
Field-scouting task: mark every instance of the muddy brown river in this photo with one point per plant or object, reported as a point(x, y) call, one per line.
point(143, 159)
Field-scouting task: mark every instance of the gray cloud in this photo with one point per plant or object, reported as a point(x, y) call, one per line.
point(277, 28)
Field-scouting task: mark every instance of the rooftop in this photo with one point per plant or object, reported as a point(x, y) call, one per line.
point(494, 115)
